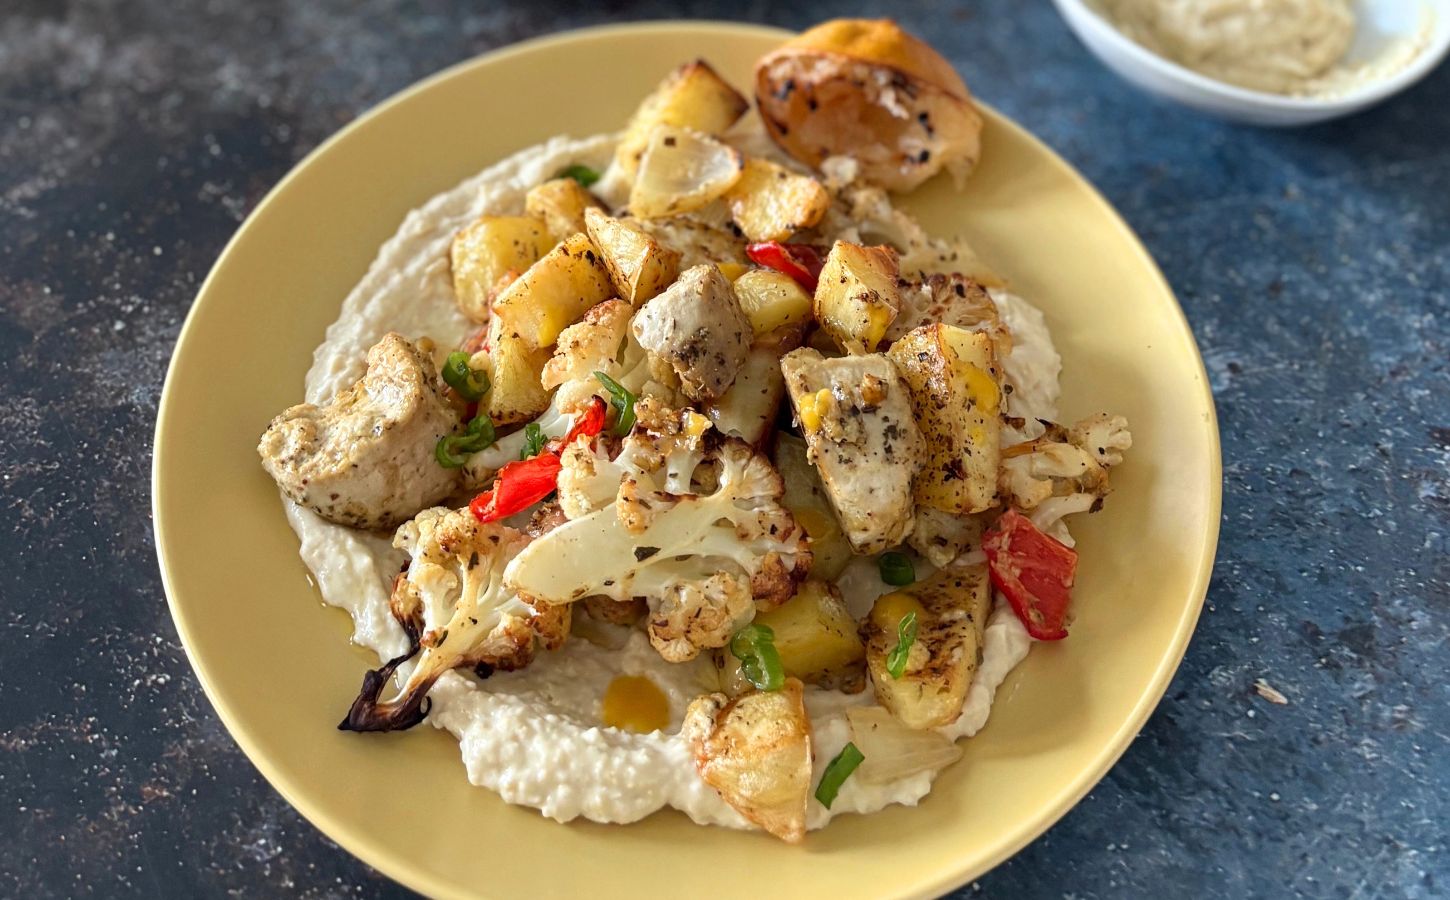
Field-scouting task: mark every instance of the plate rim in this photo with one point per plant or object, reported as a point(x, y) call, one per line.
point(948, 876)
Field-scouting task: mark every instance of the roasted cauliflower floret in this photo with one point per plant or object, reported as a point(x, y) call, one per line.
point(366, 459)
point(1065, 470)
point(453, 602)
point(1103, 436)
point(700, 614)
point(602, 342)
point(695, 526)
point(588, 479)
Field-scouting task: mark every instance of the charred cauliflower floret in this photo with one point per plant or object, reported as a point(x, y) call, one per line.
point(366, 459)
point(602, 342)
point(1103, 436)
point(695, 526)
point(453, 602)
point(1065, 470)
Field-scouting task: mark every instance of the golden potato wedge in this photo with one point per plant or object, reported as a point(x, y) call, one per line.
point(771, 203)
point(806, 499)
point(639, 266)
point(692, 96)
point(755, 751)
point(817, 638)
point(857, 295)
point(952, 375)
point(771, 300)
point(560, 202)
point(514, 369)
point(951, 609)
point(484, 251)
point(555, 292)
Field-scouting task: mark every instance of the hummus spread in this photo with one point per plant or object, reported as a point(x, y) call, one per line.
point(1275, 46)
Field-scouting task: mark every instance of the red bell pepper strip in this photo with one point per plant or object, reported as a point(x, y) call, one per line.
point(1034, 570)
point(589, 423)
point(518, 486)
point(523, 483)
point(801, 262)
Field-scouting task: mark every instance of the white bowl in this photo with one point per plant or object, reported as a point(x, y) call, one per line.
point(1382, 23)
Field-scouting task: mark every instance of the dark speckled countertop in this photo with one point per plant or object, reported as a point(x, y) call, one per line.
point(1313, 264)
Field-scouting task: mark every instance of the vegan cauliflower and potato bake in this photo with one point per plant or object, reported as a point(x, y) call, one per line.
point(679, 468)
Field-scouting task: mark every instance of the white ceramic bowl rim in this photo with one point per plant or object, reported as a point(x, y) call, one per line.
point(1418, 66)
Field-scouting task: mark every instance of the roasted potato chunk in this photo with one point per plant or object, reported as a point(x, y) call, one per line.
point(560, 203)
point(514, 368)
point(755, 751)
point(951, 609)
point(857, 295)
point(555, 292)
point(771, 203)
point(952, 375)
point(484, 252)
point(817, 638)
point(771, 300)
point(639, 266)
point(866, 88)
point(692, 96)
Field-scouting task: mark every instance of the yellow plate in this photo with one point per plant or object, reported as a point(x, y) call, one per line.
point(278, 665)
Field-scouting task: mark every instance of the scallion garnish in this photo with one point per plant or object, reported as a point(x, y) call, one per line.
point(905, 637)
point(623, 402)
point(582, 174)
point(533, 440)
point(452, 450)
point(896, 569)
point(469, 384)
point(837, 771)
point(754, 646)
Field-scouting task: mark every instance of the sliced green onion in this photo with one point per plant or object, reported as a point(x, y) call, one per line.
point(533, 440)
point(623, 402)
point(452, 450)
point(457, 374)
point(905, 637)
point(582, 174)
point(896, 569)
point(837, 771)
point(754, 646)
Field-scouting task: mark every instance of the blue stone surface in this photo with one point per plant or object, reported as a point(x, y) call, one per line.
point(1313, 264)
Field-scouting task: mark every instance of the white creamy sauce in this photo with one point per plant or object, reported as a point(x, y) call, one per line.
point(1278, 46)
point(534, 736)
point(1295, 47)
